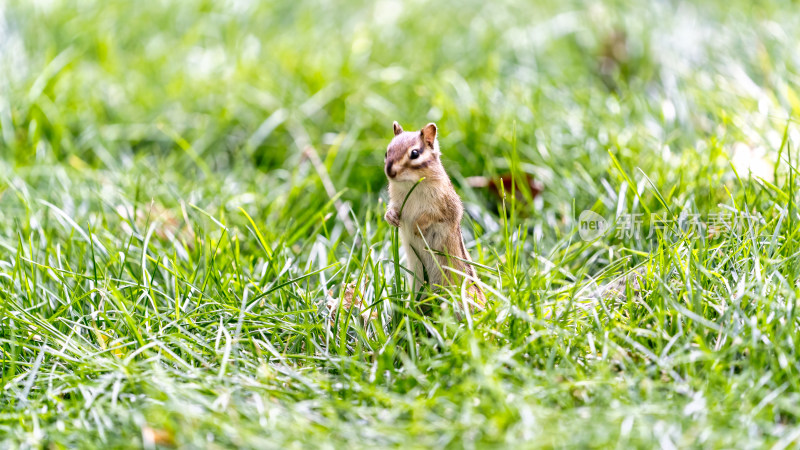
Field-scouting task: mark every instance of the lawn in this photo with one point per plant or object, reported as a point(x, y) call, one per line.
point(192, 194)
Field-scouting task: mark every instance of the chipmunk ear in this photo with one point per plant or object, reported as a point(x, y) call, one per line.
point(429, 134)
point(397, 128)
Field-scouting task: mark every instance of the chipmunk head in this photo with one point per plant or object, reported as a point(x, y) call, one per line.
point(413, 154)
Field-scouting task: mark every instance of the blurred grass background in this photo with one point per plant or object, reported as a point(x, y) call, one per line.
point(205, 89)
point(157, 175)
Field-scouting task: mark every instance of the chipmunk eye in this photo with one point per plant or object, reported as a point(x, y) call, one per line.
point(414, 154)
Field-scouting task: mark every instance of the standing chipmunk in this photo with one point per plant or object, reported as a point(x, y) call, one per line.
point(430, 222)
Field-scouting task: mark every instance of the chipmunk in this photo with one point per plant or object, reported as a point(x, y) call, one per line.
point(430, 221)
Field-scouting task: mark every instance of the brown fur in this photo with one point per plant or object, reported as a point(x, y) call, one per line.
point(430, 223)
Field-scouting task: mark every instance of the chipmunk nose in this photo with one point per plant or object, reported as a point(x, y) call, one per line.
point(389, 172)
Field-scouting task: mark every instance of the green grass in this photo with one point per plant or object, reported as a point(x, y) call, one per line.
point(186, 187)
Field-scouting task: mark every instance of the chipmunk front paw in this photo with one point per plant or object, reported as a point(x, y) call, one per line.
point(392, 217)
